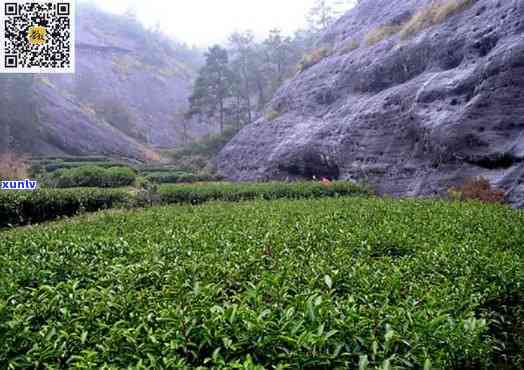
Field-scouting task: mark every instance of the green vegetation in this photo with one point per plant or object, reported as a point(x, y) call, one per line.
point(314, 57)
point(378, 34)
point(52, 167)
point(433, 14)
point(240, 78)
point(92, 176)
point(87, 158)
point(197, 156)
point(178, 177)
point(349, 46)
point(311, 284)
point(429, 16)
point(205, 192)
point(209, 146)
point(19, 208)
point(118, 115)
point(271, 115)
point(46, 165)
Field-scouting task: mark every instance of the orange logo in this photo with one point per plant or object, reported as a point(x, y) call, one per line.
point(37, 35)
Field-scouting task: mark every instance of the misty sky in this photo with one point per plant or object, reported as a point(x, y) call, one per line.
point(202, 22)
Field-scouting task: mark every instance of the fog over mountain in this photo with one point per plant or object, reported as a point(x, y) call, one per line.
point(216, 19)
point(128, 94)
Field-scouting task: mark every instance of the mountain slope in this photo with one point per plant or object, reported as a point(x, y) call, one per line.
point(411, 116)
point(126, 97)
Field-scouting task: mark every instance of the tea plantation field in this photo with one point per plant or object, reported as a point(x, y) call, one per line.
point(338, 283)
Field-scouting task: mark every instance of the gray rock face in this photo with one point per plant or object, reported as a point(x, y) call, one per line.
point(411, 117)
point(125, 99)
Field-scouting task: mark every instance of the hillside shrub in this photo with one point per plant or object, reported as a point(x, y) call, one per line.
point(433, 14)
point(93, 176)
point(179, 177)
point(348, 283)
point(349, 46)
point(86, 158)
point(20, 208)
point(206, 147)
point(119, 176)
point(46, 204)
point(478, 189)
point(13, 166)
point(381, 33)
point(272, 115)
point(314, 57)
point(55, 166)
point(246, 191)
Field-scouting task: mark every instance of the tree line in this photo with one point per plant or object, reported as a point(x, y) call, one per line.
point(238, 79)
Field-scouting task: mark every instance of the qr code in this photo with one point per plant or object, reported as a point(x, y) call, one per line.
point(37, 36)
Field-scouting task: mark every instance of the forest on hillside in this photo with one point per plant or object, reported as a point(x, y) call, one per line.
point(242, 75)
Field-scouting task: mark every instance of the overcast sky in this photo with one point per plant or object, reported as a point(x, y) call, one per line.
point(202, 22)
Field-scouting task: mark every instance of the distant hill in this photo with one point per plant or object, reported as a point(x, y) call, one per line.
point(126, 98)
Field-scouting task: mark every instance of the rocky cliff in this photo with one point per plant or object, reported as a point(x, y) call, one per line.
point(410, 105)
point(125, 99)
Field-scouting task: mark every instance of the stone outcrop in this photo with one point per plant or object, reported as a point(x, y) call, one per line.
point(411, 116)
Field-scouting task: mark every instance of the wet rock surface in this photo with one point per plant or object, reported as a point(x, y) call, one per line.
point(411, 117)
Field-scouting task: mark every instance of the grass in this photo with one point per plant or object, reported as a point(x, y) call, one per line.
point(314, 57)
point(381, 33)
point(429, 16)
point(312, 284)
point(13, 166)
point(349, 46)
point(272, 115)
point(433, 14)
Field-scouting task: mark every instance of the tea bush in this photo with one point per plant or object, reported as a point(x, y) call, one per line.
point(19, 208)
point(46, 204)
point(93, 176)
point(55, 166)
point(230, 192)
point(314, 57)
point(179, 177)
point(348, 283)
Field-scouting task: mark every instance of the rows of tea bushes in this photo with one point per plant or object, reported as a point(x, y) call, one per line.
point(92, 176)
point(19, 208)
point(45, 204)
point(73, 165)
point(178, 177)
point(346, 283)
point(199, 193)
point(52, 164)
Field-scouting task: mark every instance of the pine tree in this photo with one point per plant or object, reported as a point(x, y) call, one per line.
point(243, 49)
point(213, 86)
point(322, 15)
